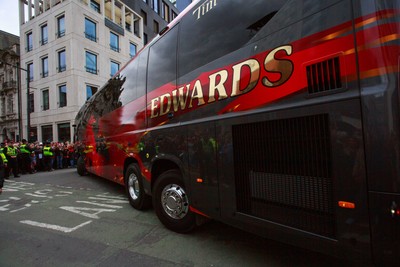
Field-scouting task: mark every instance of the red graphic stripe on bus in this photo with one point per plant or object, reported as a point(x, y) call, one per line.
point(334, 42)
point(262, 96)
point(194, 94)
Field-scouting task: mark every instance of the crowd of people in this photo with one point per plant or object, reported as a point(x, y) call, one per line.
point(18, 158)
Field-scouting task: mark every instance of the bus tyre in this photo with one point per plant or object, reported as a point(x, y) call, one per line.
point(171, 203)
point(134, 188)
point(80, 166)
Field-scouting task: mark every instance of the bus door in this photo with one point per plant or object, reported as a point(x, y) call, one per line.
point(379, 81)
point(202, 160)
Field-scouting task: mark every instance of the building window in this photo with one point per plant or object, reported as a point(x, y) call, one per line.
point(44, 34)
point(165, 11)
point(62, 65)
point(3, 106)
point(128, 26)
point(60, 26)
point(145, 38)
point(174, 15)
point(145, 1)
point(114, 42)
point(144, 16)
point(32, 135)
point(47, 133)
point(156, 27)
point(132, 49)
point(155, 6)
point(90, 91)
point(136, 27)
point(91, 63)
point(64, 132)
point(90, 30)
point(45, 99)
point(30, 71)
point(114, 68)
point(10, 104)
point(95, 6)
point(45, 67)
point(29, 42)
point(31, 103)
point(62, 92)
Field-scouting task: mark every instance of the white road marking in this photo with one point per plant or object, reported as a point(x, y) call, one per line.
point(105, 202)
point(54, 226)
point(4, 207)
point(81, 211)
point(105, 195)
point(110, 201)
point(100, 204)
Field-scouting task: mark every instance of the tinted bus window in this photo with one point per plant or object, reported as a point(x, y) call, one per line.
point(142, 73)
point(296, 17)
point(220, 29)
point(107, 99)
point(129, 88)
point(162, 61)
point(135, 79)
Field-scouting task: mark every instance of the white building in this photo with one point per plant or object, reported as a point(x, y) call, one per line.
point(70, 48)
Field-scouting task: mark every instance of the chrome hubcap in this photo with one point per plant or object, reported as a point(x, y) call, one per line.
point(133, 186)
point(175, 201)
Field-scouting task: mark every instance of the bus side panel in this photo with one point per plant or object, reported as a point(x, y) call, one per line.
point(299, 168)
point(291, 169)
point(381, 116)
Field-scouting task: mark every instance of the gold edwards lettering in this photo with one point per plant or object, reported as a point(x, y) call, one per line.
point(187, 96)
point(204, 8)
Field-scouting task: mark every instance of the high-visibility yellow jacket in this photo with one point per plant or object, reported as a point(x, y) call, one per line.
point(47, 151)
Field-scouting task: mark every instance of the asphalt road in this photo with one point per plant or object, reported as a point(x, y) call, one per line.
point(62, 219)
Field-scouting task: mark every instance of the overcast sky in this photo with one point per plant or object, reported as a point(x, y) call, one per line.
point(9, 16)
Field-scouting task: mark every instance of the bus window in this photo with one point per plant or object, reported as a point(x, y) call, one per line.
point(295, 11)
point(142, 70)
point(162, 61)
point(218, 34)
point(129, 92)
point(108, 98)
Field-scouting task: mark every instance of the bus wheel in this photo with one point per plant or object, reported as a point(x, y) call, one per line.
point(134, 188)
point(171, 203)
point(80, 166)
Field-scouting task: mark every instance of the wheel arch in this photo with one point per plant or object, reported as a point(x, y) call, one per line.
point(162, 165)
point(129, 161)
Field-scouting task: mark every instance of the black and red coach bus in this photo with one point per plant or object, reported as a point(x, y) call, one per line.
point(280, 117)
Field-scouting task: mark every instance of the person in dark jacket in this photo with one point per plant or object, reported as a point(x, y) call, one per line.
point(25, 156)
point(39, 157)
point(11, 153)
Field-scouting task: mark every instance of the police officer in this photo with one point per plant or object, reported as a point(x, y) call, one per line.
point(25, 157)
point(3, 155)
point(3, 166)
point(11, 153)
point(48, 154)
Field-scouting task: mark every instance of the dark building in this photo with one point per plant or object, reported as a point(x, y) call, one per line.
point(156, 15)
point(7, 40)
point(9, 84)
